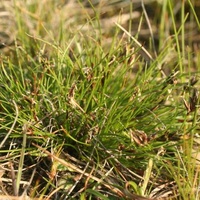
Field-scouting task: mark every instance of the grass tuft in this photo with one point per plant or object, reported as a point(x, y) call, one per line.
point(91, 109)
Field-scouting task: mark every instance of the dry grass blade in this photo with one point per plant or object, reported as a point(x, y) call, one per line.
point(7, 197)
point(73, 167)
point(150, 28)
point(121, 193)
point(145, 54)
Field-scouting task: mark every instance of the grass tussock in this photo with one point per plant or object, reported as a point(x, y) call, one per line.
point(99, 100)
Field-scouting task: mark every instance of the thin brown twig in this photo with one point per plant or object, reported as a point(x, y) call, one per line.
point(13, 177)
